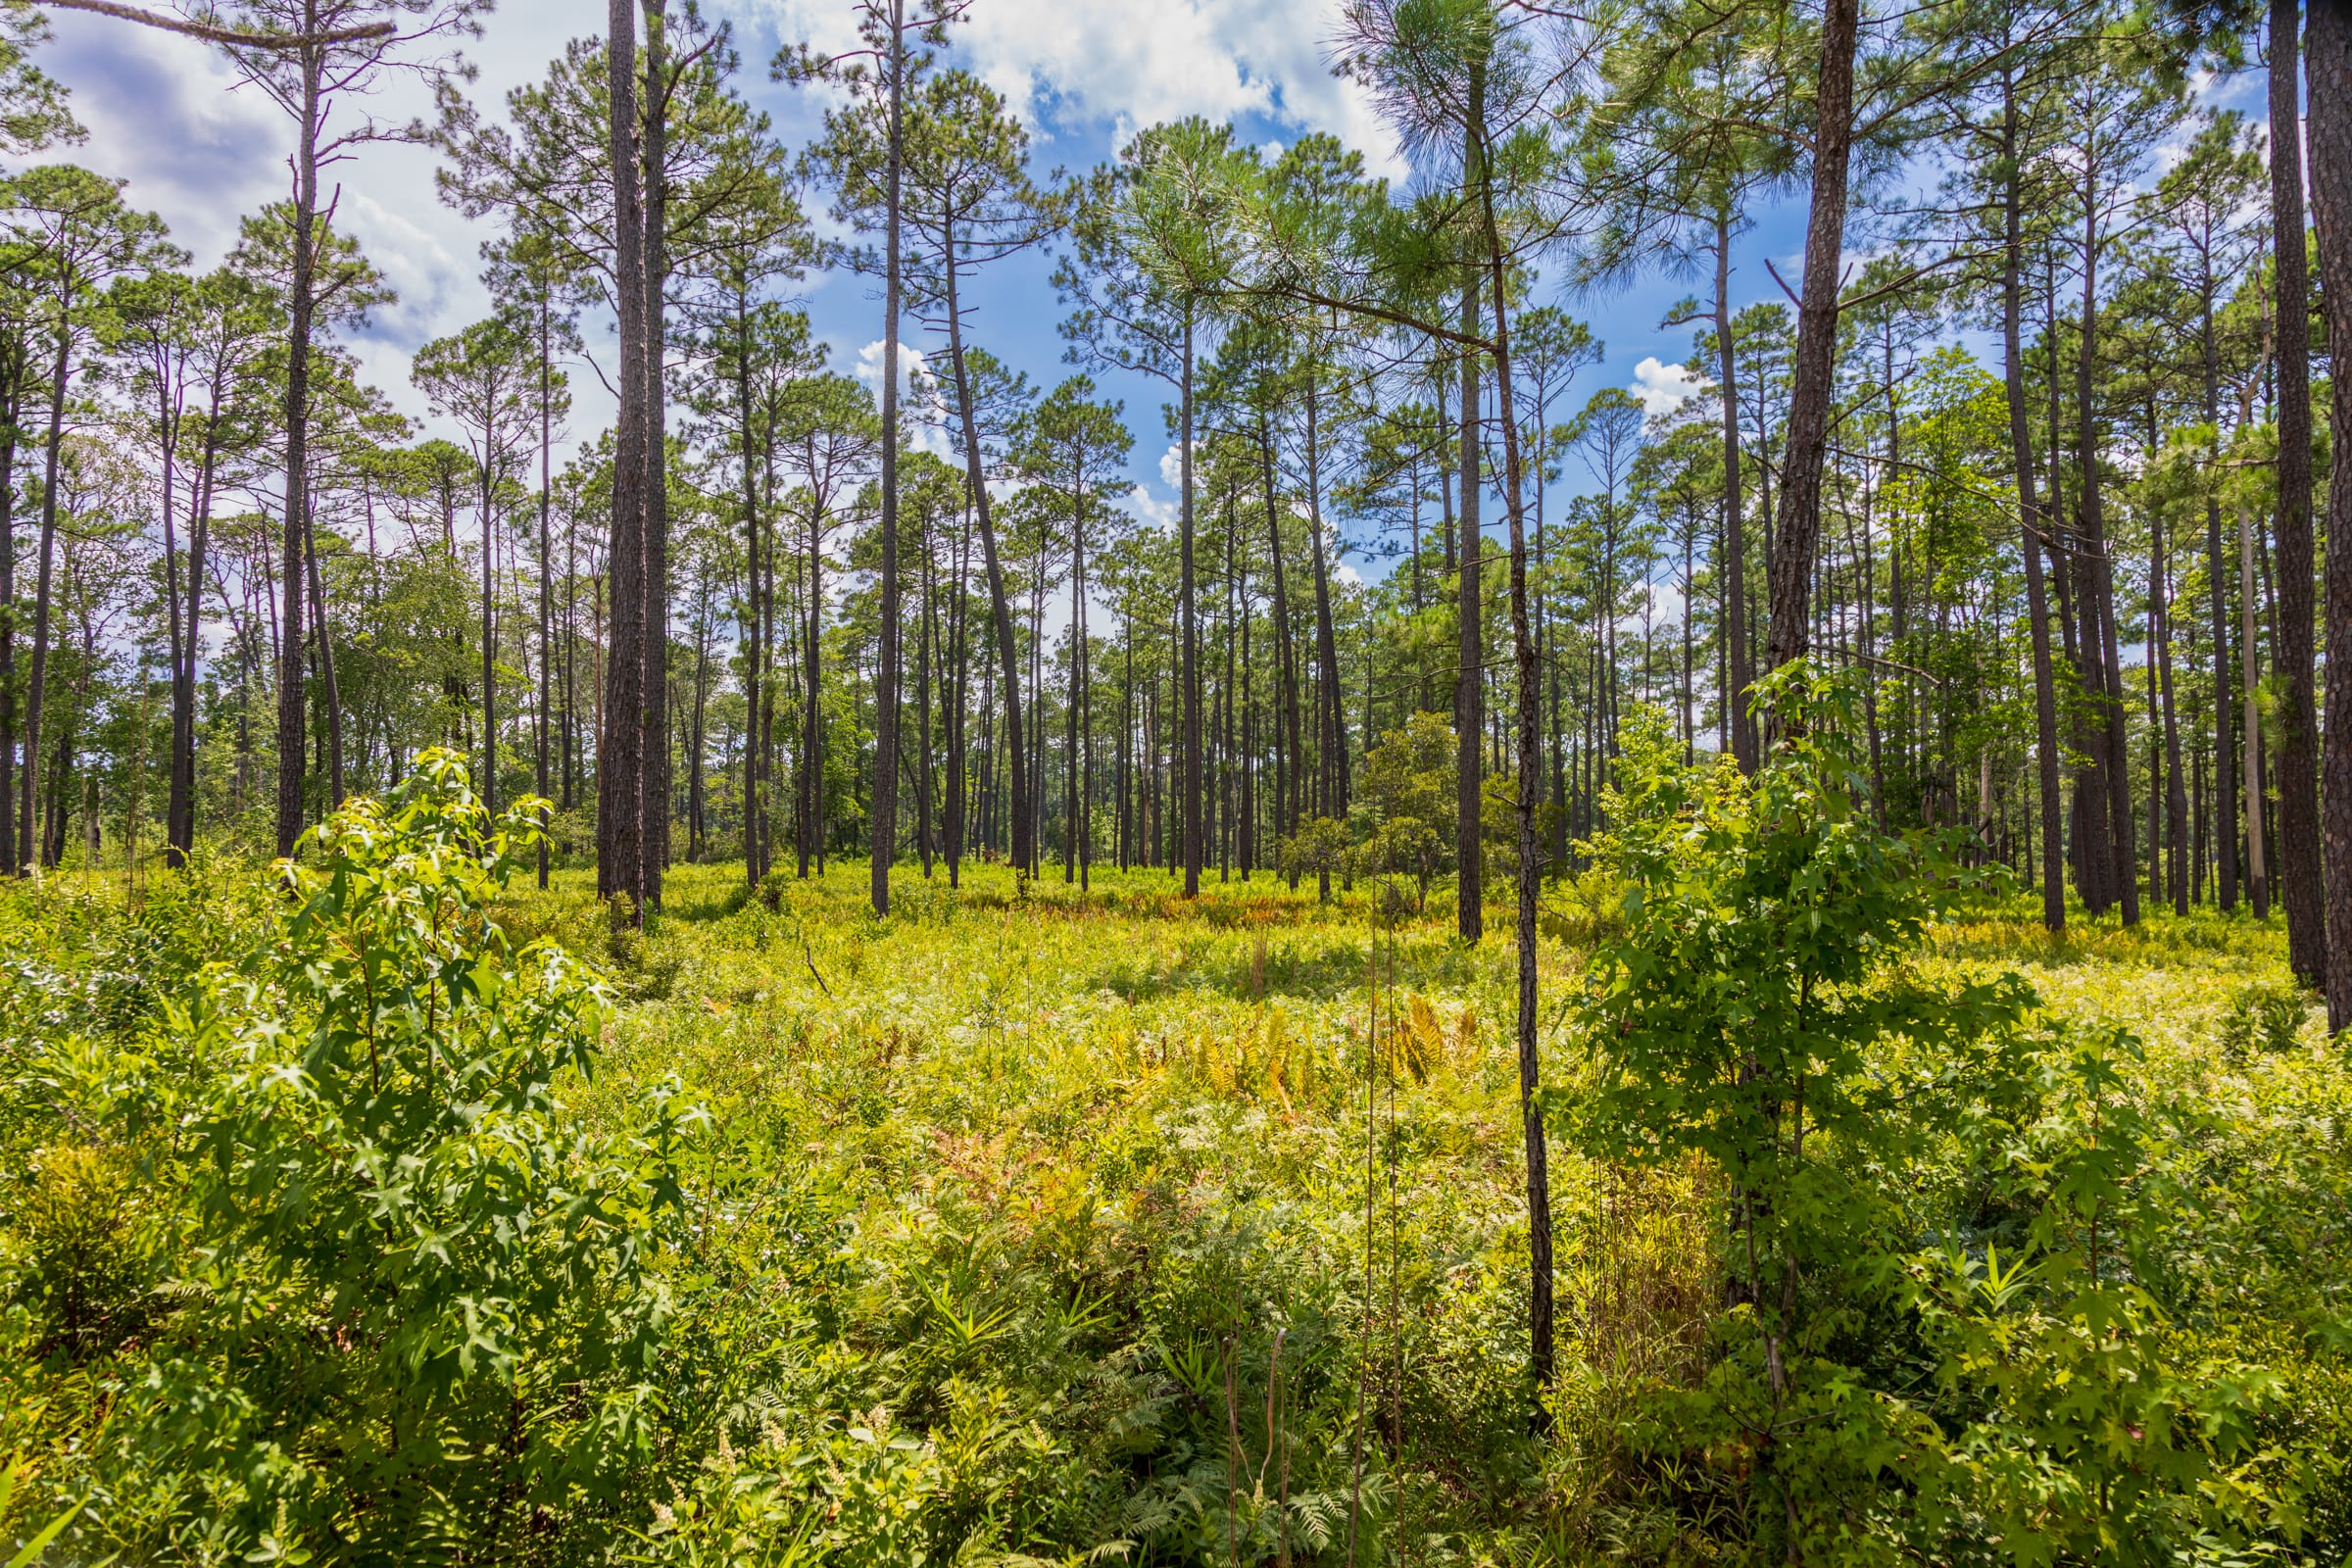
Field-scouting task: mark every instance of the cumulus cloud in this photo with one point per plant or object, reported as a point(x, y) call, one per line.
point(911, 362)
point(1158, 514)
point(1127, 64)
point(1664, 388)
point(167, 114)
point(1171, 466)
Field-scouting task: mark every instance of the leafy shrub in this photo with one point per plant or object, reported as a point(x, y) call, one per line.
point(414, 1312)
point(2264, 1018)
point(1937, 1213)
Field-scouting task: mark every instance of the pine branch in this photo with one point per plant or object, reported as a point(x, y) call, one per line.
point(234, 38)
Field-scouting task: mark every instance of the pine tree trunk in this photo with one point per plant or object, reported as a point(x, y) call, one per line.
point(30, 830)
point(886, 675)
point(1735, 537)
point(299, 307)
point(620, 754)
point(2224, 766)
point(2258, 881)
point(754, 673)
point(488, 784)
point(2300, 882)
point(1000, 609)
point(18, 362)
point(2329, 69)
point(2101, 578)
point(1813, 386)
point(652, 845)
point(1188, 629)
point(2034, 527)
point(330, 696)
point(1469, 675)
point(547, 598)
point(1528, 760)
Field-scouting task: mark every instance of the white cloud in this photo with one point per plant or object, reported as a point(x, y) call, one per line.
point(1171, 466)
point(1133, 63)
point(911, 362)
point(1664, 388)
point(167, 114)
point(1155, 514)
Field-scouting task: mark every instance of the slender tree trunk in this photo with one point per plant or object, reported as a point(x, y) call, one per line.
point(959, 661)
point(1813, 385)
point(999, 610)
point(1332, 727)
point(1735, 537)
point(620, 755)
point(547, 598)
point(812, 732)
point(2258, 881)
point(2175, 795)
point(1469, 676)
point(926, 658)
point(1523, 652)
point(18, 353)
point(1082, 819)
point(299, 307)
point(1286, 759)
point(330, 697)
point(28, 829)
point(1189, 786)
point(886, 675)
point(2301, 881)
point(2330, 66)
point(1070, 803)
point(2225, 764)
point(2101, 573)
point(652, 845)
point(169, 421)
point(489, 780)
point(2033, 525)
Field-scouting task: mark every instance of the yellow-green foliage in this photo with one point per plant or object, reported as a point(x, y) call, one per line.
point(1032, 1224)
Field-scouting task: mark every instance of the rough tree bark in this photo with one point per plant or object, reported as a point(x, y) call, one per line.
point(620, 768)
point(653, 790)
point(2330, 68)
point(299, 308)
point(2300, 881)
point(886, 675)
point(1813, 384)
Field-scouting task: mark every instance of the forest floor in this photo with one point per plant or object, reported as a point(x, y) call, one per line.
point(1161, 1197)
point(1193, 1225)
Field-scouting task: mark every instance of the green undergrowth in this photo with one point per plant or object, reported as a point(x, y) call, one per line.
point(1023, 1225)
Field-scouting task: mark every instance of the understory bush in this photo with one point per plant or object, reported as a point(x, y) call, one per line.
point(1955, 1320)
point(324, 1273)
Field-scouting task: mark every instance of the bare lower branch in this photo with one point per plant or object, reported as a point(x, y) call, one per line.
point(234, 38)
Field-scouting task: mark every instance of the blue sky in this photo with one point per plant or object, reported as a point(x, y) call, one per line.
point(163, 113)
